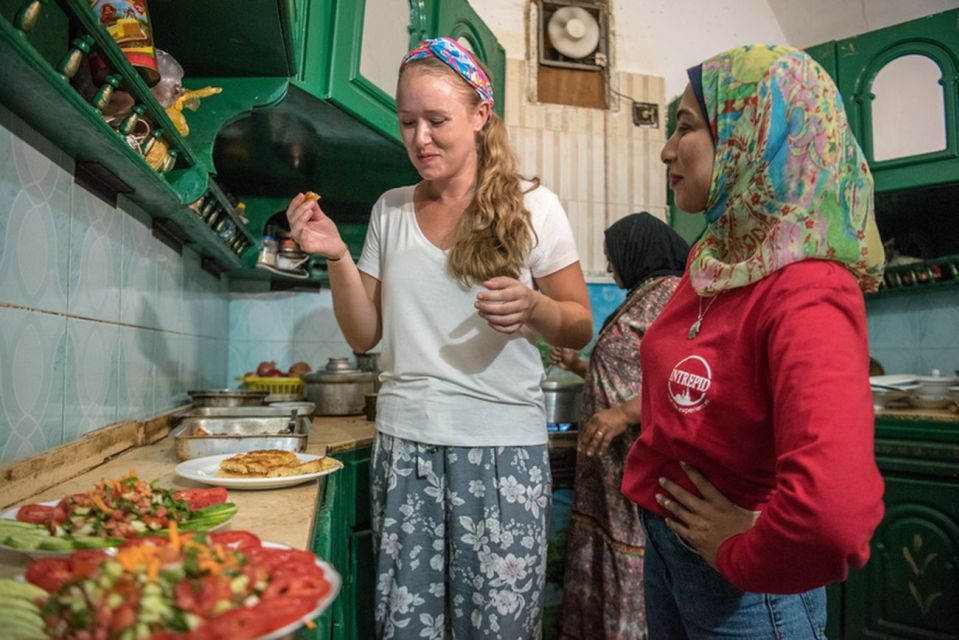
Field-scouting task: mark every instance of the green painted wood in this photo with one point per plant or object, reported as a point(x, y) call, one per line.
point(859, 60)
point(825, 55)
point(457, 19)
point(249, 39)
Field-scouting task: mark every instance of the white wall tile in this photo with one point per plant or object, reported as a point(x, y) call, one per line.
point(96, 238)
point(137, 373)
point(91, 381)
point(138, 274)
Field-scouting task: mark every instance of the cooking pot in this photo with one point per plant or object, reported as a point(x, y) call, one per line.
point(369, 361)
point(338, 389)
point(562, 400)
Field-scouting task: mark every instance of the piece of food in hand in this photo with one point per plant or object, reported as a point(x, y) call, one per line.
point(299, 368)
point(311, 196)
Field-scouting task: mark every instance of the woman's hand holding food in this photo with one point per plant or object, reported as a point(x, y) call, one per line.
point(506, 305)
point(704, 522)
point(313, 230)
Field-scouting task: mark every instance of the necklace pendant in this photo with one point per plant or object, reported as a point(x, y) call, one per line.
point(694, 329)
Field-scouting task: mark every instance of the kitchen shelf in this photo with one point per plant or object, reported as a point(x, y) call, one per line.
point(33, 88)
point(920, 277)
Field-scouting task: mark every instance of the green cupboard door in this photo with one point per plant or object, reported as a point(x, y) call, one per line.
point(825, 55)
point(909, 590)
point(353, 53)
point(893, 124)
point(456, 19)
point(363, 570)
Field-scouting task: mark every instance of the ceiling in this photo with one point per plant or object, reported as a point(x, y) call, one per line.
point(809, 22)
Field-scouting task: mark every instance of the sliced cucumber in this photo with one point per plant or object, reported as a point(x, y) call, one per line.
point(22, 526)
point(31, 618)
point(18, 630)
point(56, 544)
point(13, 602)
point(96, 542)
point(25, 540)
point(224, 509)
point(16, 589)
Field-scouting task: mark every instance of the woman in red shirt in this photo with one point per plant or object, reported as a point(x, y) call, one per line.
point(755, 467)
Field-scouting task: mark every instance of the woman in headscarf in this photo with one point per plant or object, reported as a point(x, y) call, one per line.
point(602, 592)
point(754, 469)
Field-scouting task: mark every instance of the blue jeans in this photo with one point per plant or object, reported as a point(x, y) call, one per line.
point(686, 599)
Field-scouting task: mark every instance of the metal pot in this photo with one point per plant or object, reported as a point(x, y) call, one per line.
point(369, 362)
point(562, 400)
point(339, 389)
point(227, 397)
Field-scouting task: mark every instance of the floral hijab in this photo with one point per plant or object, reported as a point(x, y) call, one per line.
point(789, 180)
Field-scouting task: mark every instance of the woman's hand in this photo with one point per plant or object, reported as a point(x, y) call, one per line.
point(506, 304)
point(704, 522)
point(564, 358)
point(313, 230)
point(601, 429)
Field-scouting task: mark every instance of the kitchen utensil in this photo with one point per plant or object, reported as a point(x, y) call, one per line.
point(199, 437)
point(291, 425)
point(305, 408)
point(290, 260)
point(339, 389)
point(562, 400)
point(227, 397)
point(894, 380)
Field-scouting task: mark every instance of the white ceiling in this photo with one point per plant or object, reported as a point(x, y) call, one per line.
point(809, 22)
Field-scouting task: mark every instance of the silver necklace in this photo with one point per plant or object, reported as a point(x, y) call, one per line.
point(694, 328)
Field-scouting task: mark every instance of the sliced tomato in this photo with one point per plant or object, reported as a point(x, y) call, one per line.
point(200, 498)
point(291, 585)
point(280, 612)
point(35, 513)
point(273, 559)
point(203, 595)
point(242, 540)
point(84, 564)
point(49, 573)
point(236, 624)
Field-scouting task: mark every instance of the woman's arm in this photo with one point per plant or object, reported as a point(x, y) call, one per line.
point(356, 295)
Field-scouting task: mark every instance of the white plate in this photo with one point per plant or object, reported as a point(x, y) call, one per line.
point(11, 514)
point(205, 470)
point(331, 576)
point(895, 380)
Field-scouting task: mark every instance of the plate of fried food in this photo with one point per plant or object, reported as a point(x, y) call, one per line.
point(261, 469)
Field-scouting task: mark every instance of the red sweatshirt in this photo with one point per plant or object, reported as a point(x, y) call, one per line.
point(771, 402)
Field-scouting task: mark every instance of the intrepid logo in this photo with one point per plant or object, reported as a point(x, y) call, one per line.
point(688, 383)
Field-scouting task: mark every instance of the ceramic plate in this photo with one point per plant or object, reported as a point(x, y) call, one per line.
point(895, 380)
point(205, 470)
point(11, 514)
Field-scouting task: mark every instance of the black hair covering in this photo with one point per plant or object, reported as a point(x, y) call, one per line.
point(641, 246)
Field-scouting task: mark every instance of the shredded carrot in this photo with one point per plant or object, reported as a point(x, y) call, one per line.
point(153, 570)
point(100, 504)
point(174, 536)
point(310, 624)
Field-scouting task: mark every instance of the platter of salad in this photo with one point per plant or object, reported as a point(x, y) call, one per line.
point(184, 586)
point(109, 514)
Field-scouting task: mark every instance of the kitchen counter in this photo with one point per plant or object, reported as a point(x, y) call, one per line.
point(280, 515)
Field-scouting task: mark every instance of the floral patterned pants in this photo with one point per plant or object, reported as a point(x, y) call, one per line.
point(460, 537)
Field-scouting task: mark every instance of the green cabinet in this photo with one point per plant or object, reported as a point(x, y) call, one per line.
point(344, 537)
point(909, 589)
point(900, 87)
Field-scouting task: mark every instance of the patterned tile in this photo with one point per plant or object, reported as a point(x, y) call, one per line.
point(138, 274)
point(898, 360)
point(245, 355)
point(32, 347)
point(169, 298)
point(313, 318)
point(938, 318)
point(262, 316)
point(891, 326)
point(168, 392)
point(96, 238)
point(945, 360)
point(90, 385)
point(137, 373)
point(34, 225)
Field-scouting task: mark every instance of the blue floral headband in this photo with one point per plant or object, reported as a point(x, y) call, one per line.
point(458, 59)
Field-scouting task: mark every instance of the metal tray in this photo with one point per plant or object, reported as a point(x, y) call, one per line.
point(264, 411)
point(237, 435)
point(227, 397)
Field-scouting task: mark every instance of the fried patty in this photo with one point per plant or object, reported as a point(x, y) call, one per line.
point(271, 463)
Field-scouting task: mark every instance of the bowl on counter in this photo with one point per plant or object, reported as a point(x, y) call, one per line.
point(935, 386)
point(885, 397)
point(930, 402)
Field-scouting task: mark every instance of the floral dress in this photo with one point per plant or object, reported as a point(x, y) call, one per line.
point(603, 587)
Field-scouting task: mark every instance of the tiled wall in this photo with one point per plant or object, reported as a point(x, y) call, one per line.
point(915, 333)
point(600, 165)
point(285, 327)
point(99, 322)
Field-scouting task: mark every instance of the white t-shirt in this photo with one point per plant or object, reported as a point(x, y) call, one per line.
point(448, 378)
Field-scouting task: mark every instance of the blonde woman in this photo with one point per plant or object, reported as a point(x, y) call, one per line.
point(457, 275)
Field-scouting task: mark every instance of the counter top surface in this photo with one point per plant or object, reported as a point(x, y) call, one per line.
point(279, 515)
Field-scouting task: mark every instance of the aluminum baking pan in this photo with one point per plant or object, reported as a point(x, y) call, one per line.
point(264, 411)
point(227, 397)
point(237, 435)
